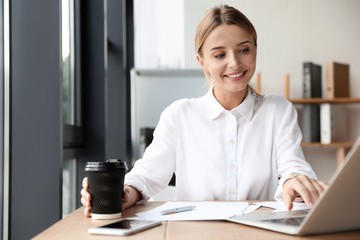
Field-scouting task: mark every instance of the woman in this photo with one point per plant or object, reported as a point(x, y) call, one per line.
point(231, 144)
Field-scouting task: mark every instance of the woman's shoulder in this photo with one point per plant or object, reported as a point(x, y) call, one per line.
point(274, 103)
point(185, 104)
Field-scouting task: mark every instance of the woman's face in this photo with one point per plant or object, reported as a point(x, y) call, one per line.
point(229, 55)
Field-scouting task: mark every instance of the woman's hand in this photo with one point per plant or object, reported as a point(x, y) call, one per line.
point(130, 197)
point(302, 188)
point(86, 197)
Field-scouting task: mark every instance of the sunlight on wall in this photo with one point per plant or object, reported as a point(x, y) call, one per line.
point(159, 34)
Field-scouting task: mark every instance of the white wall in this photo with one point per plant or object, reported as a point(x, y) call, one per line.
point(289, 33)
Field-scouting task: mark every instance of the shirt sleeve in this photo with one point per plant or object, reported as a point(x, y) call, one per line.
point(153, 171)
point(289, 154)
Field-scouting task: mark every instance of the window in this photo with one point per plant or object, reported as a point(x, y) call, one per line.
point(70, 107)
point(69, 187)
point(68, 61)
point(2, 138)
point(4, 117)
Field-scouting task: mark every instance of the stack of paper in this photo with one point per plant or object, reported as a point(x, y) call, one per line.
point(202, 211)
point(212, 210)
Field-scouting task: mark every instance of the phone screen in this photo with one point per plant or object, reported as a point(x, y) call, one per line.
point(124, 227)
point(127, 224)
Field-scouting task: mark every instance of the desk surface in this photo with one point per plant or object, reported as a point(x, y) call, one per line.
point(75, 226)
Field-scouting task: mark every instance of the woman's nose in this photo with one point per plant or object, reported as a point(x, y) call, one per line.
point(235, 60)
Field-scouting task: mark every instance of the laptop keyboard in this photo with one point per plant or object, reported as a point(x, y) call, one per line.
point(296, 221)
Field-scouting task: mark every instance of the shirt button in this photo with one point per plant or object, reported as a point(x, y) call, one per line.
point(232, 166)
point(232, 141)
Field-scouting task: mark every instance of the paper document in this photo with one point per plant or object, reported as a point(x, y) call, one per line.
point(280, 206)
point(202, 211)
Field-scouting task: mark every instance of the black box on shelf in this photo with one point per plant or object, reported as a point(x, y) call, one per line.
point(311, 80)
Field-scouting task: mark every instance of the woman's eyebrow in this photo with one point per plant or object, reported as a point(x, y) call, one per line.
point(216, 48)
point(244, 42)
point(220, 47)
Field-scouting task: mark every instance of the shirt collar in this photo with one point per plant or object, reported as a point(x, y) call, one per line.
point(245, 109)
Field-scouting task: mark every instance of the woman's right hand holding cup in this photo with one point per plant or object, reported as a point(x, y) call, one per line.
point(86, 197)
point(130, 197)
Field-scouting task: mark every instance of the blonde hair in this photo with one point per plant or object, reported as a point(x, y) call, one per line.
point(220, 15)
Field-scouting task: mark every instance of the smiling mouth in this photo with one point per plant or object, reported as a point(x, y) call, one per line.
point(236, 75)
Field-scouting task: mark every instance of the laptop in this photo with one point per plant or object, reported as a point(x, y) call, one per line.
point(336, 210)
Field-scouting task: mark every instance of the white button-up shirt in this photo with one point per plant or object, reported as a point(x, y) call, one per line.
point(216, 154)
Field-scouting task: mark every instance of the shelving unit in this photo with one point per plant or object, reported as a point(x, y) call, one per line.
point(341, 147)
point(324, 100)
point(333, 144)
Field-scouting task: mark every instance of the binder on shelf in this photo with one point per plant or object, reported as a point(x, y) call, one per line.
point(310, 123)
point(311, 80)
point(337, 80)
point(333, 123)
point(310, 120)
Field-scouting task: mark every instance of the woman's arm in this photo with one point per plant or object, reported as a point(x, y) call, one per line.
point(290, 160)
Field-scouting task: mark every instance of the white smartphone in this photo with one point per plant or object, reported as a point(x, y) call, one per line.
point(124, 227)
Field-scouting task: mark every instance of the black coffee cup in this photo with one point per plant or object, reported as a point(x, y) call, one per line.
point(106, 186)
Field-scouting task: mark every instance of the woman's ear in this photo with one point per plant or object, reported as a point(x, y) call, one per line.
point(201, 62)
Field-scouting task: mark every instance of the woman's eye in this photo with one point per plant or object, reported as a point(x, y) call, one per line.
point(220, 55)
point(244, 50)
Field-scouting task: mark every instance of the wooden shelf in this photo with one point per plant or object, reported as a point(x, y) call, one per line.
point(334, 144)
point(325, 100)
point(311, 100)
point(340, 146)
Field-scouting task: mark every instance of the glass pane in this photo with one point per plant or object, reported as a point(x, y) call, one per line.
point(2, 138)
point(68, 61)
point(5, 117)
point(69, 188)
point(68, 74)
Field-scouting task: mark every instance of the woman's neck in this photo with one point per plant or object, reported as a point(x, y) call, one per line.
point(228, 99)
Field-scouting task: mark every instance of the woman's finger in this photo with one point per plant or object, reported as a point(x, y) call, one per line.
point(126, 198)
point(86, 195)
point(288, 197)
point(320, 186)
point(85, 183)
point(87, 212)
point(312, 188)
point(85, 203)
point(309, 189)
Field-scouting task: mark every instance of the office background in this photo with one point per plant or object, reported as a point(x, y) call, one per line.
point(289, 33)
point(61, 108)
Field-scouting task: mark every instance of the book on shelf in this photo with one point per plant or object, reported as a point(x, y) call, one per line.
point(311, 80)
point(333, 123)
point(337, 80)
point(310, 122)
point(310, 119)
